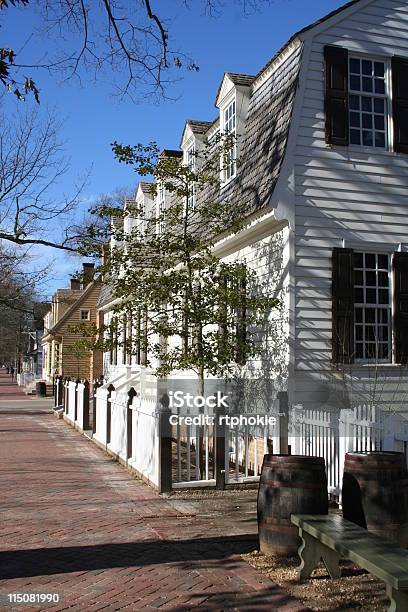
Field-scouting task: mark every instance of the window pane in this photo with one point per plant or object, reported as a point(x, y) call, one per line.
point(379, 105)
point(379, 86)
point(367, 67)
point(378, 69)
point(383, 316)
point(371, 296)
point(382, 278)
point(367, 138)
point(359, 315)
point(359, 296)
point(367, 121)
point(370, 333)
point(359, 350)
point(379, 122)
point(383, 296)
point(366, 104)
point(383, 333)
point(358, 278)
point(367, 84)
point(359, 332)
point(370, 315)
point(383, 351)
point(371, 279)
point(370, 352)
point(355, 137)
point(355, 82)
point(383, 262)
point(355, 102)
point(380, 139)
point(355, 65)
point(355, 120)
point(370, 260)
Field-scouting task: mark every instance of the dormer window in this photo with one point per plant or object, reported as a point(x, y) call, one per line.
point(229, 128)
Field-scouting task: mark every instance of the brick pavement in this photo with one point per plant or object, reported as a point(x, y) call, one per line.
point(8, 388)
point(75, 522)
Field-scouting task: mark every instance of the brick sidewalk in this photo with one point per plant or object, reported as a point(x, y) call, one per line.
point(8, 388)
point(75, 522)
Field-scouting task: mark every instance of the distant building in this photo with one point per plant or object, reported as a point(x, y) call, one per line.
point(61, 351)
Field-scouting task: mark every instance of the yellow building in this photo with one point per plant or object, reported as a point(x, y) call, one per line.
point(70, 307)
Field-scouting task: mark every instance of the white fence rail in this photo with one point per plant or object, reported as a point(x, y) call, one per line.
point(331, 434)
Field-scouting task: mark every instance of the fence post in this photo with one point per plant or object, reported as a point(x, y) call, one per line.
point(109, 414)
point(283, 423)
point(76, 400)
point(63, 393)
point(67, 380)
point(165, 458)
point(129, 429)
point(220, 462)
point(85, 406)
point(96, 385)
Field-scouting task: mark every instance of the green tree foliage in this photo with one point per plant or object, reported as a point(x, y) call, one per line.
point(188, 309)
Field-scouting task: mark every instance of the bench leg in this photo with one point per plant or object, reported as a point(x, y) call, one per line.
point(310, 553)
point(399, 600)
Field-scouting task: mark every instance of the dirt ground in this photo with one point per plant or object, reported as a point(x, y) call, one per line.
point(234, 512)
point(355, 590)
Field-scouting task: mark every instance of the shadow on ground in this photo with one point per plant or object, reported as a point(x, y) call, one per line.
point(48, 561)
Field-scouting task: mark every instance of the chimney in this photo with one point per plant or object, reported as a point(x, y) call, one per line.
point(87, 273)
point(75, 284)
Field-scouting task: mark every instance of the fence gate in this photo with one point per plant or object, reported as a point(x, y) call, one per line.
point(194, 460)
point(193, 454)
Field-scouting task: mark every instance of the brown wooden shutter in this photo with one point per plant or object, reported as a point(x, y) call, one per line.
point(400, 269)
point(343, 306)
point(400, 103)
point(336, 102)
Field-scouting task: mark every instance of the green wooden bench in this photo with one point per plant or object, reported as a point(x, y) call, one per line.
point(330, 537)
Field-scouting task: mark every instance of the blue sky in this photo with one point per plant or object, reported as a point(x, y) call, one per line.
point(93, 117)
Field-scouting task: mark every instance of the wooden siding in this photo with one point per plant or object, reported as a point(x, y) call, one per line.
point(269, 258)
point(69, 363)
point(357, 195)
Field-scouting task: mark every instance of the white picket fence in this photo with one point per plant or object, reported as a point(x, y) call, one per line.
point(145, 456)
point(322, 433)
point(331, 434)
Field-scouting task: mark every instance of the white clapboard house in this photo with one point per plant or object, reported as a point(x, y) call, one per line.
point(323, 140)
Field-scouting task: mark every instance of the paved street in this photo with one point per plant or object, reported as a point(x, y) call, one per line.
point(76, 523)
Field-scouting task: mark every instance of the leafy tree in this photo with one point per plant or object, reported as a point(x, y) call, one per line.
point(189, 309)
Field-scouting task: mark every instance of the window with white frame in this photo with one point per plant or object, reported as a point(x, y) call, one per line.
point(372, 307)
point(191, 164)
point(229, 125)
point(85, 315)
point(161, 192)
point(368, 102)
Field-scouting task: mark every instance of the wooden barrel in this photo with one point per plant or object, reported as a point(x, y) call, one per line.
point(375, 493)
point(289, 484)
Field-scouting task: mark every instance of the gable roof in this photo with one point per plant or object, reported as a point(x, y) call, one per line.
point(196, 126)
point(106, 295)
point(240, 80)
point(74, 306)
point(145, 186)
